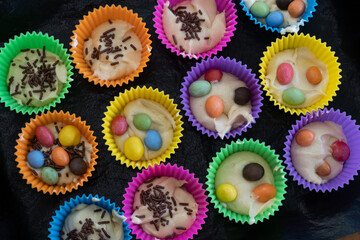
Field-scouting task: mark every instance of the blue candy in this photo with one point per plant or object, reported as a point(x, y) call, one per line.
point(36, 159)
point(274, 19)
point(153, 140)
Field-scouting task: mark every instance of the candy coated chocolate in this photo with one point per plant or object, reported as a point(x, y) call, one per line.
point(49, 175)
point(253, 172)
point(60, 156)
point(199, 88)
point(324, 169)
point(293, 96)
point(133, 148)
point(274, 19)
point(35, 159)
point(44, 136)
point(305, 137)
point(283, 4)
point(214, 106)
point(296, 8)
point(226, 193)
point(78, 166)
point(264, 192)
point(340, 151)
point(260, 9)
point(119, 125)
point(284, 73)
point(69, 136)
point(313, 75)
point(213, 75)
point(142, 121)
point(242, 95)
point(153, 140)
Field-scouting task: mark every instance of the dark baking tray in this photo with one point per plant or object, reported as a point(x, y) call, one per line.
point(25, 213)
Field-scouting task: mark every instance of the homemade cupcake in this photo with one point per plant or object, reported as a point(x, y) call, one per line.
point(246, 181)
point(36, 73)
point(321, 150)
point(111, 46)
point(56, 152)
point(221, 97)
point(195, 28)
point(93, 217)
point(299, 73)
point(179, 209)
point(279, 15)
point(142, 127)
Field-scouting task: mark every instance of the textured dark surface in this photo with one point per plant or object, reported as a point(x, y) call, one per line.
point(26, 213)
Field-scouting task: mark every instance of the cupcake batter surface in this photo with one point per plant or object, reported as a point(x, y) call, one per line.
point(301, 59)
point(202, 30)
point(175, 211)
point(113, 50)
point(162, 122)
point(94, 222)
point(306, 159)
point(231, 172)
point(233, 115)
point(36, 77)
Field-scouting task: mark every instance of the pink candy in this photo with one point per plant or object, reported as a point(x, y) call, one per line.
point(284, 73)
point(119, 125)
point(44, 136)
point(340, 151)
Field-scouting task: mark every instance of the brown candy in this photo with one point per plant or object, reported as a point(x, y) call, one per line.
point(253, 172)
point(296, 8)
point(78, 166)
point(324, 169)
point(242, 95)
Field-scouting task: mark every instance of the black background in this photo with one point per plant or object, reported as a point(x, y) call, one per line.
point(26, 213)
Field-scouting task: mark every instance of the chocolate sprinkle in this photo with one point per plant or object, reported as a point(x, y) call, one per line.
point(97, 210)
point(105, 233)
point(103, 214)
point(114, 63)
point(133, 47)
point(104, 222)
point(140, 216)
point(127, 38)
point(110, 21)
point(181, 228)
point(174, 39)
point(183, 204)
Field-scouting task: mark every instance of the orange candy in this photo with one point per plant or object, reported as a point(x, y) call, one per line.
point(324, 169)
point(60, 156)
point(305, 137)
point(264, 192)
point(214, 106)
point(313, 75)
point(296, 8)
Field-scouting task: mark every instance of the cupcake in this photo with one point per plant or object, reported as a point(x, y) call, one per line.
point(177, 190)
point(321, 150)
point(195, 28)
point(221, 97)
point(299, 73)
point(36, 73)
point(142, 127)
point(110, 46)
point(246, 181)
point(56, 152)
point(281, 16)
point(89, 216)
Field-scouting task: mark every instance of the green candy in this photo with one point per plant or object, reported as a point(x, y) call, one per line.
point(49, 175)
point(199, 88)
point(260, 9)
point(142, 121)
point(293, 96)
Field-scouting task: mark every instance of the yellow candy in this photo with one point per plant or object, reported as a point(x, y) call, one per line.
point(69, 136)
point(133, 148)
point(226, 193)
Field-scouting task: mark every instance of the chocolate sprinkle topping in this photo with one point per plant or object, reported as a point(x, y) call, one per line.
point(97, 210)
point(133, 47)
point(127, 38)
point(104, 222)
point(114, 63)
point(110, 21)
point(103, 214)
point(174, 39)
point(181, 228)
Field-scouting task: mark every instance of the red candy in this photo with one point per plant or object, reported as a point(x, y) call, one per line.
point(119, 125)
point(340, 151)
point(44, 136)
point(284, 73)
point(213, 75)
